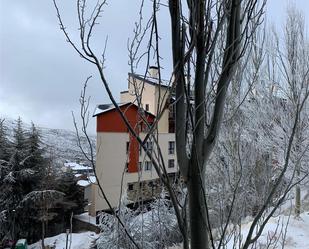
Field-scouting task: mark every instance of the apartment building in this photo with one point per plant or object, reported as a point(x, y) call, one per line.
point(121, 164)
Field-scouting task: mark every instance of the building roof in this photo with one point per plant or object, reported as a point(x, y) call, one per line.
point(85, 183)
point(149, 80)
point(103, 108)
point(76, 166)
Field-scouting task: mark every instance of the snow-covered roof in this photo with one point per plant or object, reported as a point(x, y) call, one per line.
point(103, 108)
point(76, 166)
point(85, 183)
point(150, 80)
point(106, 107)
point(86, 218)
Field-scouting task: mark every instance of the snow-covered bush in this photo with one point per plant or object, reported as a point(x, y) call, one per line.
point(153, 229)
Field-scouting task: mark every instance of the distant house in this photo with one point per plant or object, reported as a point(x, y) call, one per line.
point(119, 158)
point(78, 169)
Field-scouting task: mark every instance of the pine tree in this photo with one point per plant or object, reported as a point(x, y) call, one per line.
point(33, 197)
point(35, 159)
point(74, 198)
point(19, 154)
point(4, 142)
point(15, 184)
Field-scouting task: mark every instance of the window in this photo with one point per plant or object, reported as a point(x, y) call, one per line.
point(171, 111)
point(149, 146)
point(140, 149)
point(147, 107)
point(127, 147)
point(171, 147)
point(140, 166)
point(148, 166)
point(141, 128)
point(130, 186)
point(171, 163)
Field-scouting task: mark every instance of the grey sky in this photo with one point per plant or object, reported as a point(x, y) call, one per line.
point(41, 76)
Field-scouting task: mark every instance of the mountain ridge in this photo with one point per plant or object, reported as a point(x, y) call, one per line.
point(62, 144)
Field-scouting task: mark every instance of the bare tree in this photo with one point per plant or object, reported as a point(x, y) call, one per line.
point(208, 23)
point(294, 65)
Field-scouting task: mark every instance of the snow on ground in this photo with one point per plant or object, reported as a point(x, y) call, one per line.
point(79, 241)
point(296, 237)
point(86, 218)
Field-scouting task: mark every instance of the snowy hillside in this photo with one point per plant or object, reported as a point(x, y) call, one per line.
point(59, 142)
point(64, 142)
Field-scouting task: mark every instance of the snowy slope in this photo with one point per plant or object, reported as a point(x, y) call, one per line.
point(296, 236)
point(293, 236)
point(59, 142)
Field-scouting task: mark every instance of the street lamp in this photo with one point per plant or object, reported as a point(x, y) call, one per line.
point(13, 228)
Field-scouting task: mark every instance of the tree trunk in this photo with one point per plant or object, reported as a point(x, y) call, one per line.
point(297, 197)
point(197, 209)
point(297, 201)
point(43, 234)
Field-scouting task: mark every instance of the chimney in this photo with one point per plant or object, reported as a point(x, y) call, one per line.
point(153, 72)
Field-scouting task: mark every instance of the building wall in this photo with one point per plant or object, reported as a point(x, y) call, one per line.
point(161, 96)
point(87, 196)
point(146, 189)
point(112, 138)
point(111, 121)
point(92, 189)
point(147, 91)
point(110, 165)
point(151, 96)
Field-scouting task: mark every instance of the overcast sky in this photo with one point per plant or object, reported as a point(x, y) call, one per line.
point(41, 76)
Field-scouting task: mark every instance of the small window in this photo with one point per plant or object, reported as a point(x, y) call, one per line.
point(140, 149)
point(141, 127)
point(171, 147)
point(127, 147)
point(130, 186)
point(149, 146)
point(147, 107)
point(127, 167)
point(148, 166)
point(171, 163)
